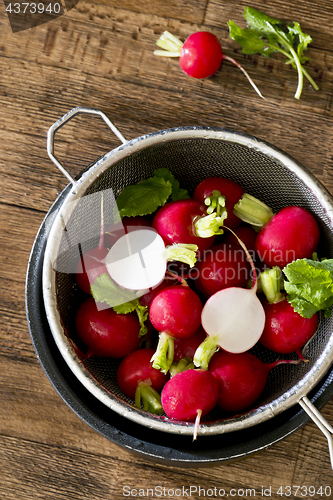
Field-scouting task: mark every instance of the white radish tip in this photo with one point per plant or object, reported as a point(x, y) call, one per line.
point(236, 317)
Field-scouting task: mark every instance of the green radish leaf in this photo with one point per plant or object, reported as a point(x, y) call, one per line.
point(141, 311)
point(177, 192)
point(259, 21)
point(249, 40)
point(122, 301)
point(104, 289)
point(309, 286)
point(143, 198)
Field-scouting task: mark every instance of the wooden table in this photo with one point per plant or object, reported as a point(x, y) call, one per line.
point(100, 55)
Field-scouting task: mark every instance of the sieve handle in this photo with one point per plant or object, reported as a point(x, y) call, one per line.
point(68, 116)
point(320, 421)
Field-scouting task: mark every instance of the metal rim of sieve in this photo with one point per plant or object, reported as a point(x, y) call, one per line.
point(297, 394)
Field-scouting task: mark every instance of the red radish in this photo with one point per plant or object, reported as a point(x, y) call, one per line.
point(175, 312)
point(105, 332)
point(285, 330)
point(137, 368)
point(293, 233)
point(233, 319)
point(147, 298)
point(114, 231)
point(228, 188)
point(200, 56)
point(185, 348)
point(138, 380)
point(241, 378)
point(175, 222)
point(189, 396)
point(246, 234)
point(222, 267)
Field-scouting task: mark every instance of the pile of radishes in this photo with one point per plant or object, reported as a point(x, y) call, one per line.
point(182, 295)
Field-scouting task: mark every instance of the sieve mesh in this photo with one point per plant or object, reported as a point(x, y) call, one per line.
point(190, 160)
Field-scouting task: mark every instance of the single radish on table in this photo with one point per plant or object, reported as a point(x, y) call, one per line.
point(138, 380)
point(285, 330)
point(105, 332)
point(189, 396)
point(241, 378)
point(200, 56)
point(211, 189)
point(233, 319)
point(175, 312)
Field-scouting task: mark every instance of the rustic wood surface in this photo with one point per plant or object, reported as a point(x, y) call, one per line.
point(100, 54)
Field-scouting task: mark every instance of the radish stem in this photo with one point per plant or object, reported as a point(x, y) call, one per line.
point(163, 356)
point(181, 252)
point(205, 351)
point(253, 211)
point(216, 202)
point(271, 282)
point(149, 397)
point(170, 43)
point(209, 225)
point(181, 366)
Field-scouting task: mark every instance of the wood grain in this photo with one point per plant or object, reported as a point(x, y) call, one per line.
point(100, 54)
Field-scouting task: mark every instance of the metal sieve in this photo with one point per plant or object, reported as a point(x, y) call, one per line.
point(192, 154)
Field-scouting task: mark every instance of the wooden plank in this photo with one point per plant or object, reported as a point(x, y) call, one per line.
point(63, 472)
point(120, 56)
point(84, 139)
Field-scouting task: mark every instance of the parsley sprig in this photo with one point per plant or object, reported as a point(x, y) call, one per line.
point(266, 35)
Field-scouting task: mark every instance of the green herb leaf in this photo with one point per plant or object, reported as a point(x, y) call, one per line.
point(143, 198)
point(309, 286)
point(177, 192)
point(266, 35)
